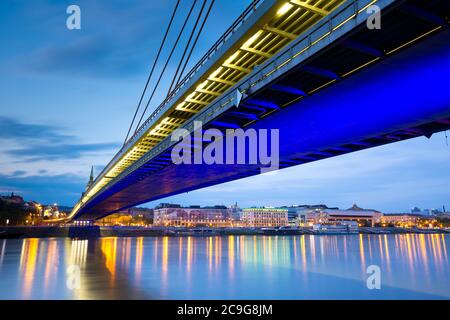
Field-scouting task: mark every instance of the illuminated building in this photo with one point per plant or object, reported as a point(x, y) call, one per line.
point(145, 215)
point(265, 217)
point(401, 219)
point(355, 213)
point(90, 182)
point(236, 212)
point(296, 215)
point(52, 211)
point(136, 217)
point(193, 216)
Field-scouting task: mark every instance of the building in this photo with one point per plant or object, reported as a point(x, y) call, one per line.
point(265, 217)
point(117, 219)
point(296, 214)
point(401, 219)
point(355, 213)
point(34, 207)
point(194, 216)
point(142, 216)
point(416, 210)
point(306, 210)
point(427, 212)
point(145, 213)
point(13, 199)
point(90, 182)
point(52, 212)
point(236, 212)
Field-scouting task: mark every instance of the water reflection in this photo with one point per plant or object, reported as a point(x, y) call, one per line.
point(2, 252)
point(413, 266)
point(109, 250)
point(139, 254)
point(51, 264)
point(27, 265)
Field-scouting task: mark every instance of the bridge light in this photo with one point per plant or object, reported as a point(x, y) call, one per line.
point(215, 73)
point(252, 39)
point(180, 106)
point(285, 8)
point(231, 59)
point(202, 85)
point(191, 95)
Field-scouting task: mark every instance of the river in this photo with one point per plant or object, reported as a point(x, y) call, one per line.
point(411, 266)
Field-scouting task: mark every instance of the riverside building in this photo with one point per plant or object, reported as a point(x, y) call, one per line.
point(265, 217)
point(401, 219)
point(175, 215)
point(367, 217)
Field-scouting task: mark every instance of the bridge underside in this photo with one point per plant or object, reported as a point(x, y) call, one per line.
point(363, 91)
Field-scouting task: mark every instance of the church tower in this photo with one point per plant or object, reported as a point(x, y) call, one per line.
point(91, 179)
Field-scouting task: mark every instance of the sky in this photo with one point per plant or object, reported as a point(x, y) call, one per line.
point(67, 98)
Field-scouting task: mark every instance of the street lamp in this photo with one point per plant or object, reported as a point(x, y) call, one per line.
point(7, 221)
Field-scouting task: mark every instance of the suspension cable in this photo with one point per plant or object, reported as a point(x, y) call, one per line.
point(166, 64)
point(195, 42)
point(187, 46)
point(152, 70)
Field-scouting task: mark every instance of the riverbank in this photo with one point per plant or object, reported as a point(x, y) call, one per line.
point(94, 231)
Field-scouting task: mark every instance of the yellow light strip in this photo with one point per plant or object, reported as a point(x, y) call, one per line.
point(367, 6)
point(284, 9)
point(322, 86)
point(414, 40)
point(360, 67)
point(252, 39)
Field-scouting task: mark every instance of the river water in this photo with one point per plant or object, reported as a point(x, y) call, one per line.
point(232, 267)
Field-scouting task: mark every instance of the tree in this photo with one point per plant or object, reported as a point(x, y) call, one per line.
point(15, 213)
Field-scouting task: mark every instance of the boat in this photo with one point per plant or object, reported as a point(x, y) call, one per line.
point(197, 232)
point(342, 228)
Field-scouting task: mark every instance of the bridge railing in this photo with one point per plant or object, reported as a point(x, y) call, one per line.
point(215, 47)
point(343, 15)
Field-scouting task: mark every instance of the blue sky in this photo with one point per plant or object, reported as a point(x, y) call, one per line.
point(67, 97)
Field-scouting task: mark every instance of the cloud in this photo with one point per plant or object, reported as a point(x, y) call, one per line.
point(60, 152)
point(16, 130)
point(45, 143)
point(19, 173)
point(89, 56)
point(115, 40)
point(64, 189)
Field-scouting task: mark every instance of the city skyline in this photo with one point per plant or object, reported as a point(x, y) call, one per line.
point(47, 134)
point(8, 196)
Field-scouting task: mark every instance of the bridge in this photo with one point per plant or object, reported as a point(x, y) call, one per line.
point(312, 69)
